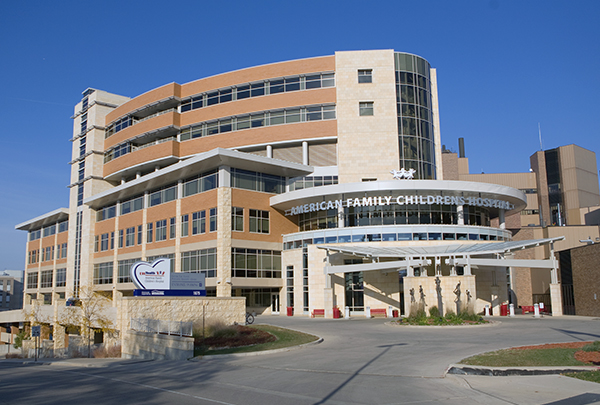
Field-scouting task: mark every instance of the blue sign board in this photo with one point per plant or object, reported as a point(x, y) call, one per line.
point(169, 293)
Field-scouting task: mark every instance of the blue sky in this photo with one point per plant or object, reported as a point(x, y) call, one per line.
point(503, 66)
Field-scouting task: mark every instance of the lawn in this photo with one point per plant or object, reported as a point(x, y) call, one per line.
point(283, 338)
point(526, 358)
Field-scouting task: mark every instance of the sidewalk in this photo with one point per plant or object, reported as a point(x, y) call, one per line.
point(75, 362)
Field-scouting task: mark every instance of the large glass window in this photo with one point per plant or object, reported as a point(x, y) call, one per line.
point(103, 273)
point(162, 195)
point(132, 205)
point(32, 280)
point(124, 270)
point(200, 261)
point(259, 221)
point(161, 230)
point(46, 279)
point(200, 183)
point(257, 181)
point(237, 219)
point(130, 236)
point(255, 263)
point(61, 277)
point(199, 222)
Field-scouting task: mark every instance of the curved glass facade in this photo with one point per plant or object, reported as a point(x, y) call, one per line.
point(394, 215)
point(415, 117)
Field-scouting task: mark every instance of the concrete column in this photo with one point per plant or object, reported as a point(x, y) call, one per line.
point(423, 267)
point(224, 241)
point(269, 151)
point(460, 214)
point(224, 176)
point(468, 266)
point(341, 218)
point(556, 299)
point(410, 272)
point(305, 153)
point(453, 266)
point(502, 219)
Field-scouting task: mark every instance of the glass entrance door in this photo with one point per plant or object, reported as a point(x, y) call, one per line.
point(275, 303)
point(355, 291)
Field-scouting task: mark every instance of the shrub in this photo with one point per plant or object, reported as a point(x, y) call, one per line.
point(434, 312)
point(13, 356)
point(214, 328)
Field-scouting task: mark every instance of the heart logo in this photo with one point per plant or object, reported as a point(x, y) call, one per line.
point(155, 276)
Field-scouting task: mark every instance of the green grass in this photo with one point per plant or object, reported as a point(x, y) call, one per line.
point(593, 376)
point(525, 358)
point(285, 338)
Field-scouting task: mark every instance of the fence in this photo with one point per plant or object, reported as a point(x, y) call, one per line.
point(176, 328)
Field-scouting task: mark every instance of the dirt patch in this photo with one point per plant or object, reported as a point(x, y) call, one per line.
point(570, 345)
point(245, 337)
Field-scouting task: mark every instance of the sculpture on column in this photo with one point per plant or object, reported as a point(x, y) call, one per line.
point(469, 302)
point(457, 300)
point(413, 303)
point(422, 303)
point(438, 290)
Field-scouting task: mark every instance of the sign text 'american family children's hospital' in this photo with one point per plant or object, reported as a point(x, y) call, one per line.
point(399, 200)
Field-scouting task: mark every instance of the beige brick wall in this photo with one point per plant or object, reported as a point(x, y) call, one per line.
point(367, 146)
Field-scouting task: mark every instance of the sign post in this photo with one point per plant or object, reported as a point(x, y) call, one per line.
point(35, 332)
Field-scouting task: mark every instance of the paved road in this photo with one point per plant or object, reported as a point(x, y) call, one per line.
point(360, 362)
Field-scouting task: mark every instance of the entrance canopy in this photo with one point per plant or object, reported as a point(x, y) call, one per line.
point(470, 249)
point(390, 258)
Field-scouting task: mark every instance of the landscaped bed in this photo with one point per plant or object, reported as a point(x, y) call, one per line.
point(221, 339)
point(546, 355)
point(435, 319)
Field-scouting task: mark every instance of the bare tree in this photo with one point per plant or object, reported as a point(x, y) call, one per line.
point(90, 313)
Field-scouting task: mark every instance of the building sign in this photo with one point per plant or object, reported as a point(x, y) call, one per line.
point(152, 276)
point(155, 279)
point(399, 200)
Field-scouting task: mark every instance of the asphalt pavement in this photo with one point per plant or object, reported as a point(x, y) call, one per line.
point(360, 361)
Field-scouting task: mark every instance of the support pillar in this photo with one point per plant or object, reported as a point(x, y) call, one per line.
point(502, 219)
point(305, 153)
point(556, 299)
point(460, 215)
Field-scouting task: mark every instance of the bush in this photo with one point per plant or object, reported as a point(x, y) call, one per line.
point(214, 328)
point(19, 339)
point(14, 356)
point(434, 312)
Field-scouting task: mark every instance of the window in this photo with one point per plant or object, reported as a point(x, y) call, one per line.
point(139, 233)
point(259, 221)
point(49, 253)
point(213, 219)
point(365, 75)
point(162, 196)
point(132, 205)
point(63, 250)
point(290, 286)
point(104, 242)
point(50, 230)
point(120, 238)
point(32, 280)
point(255, 263)
point(200, 183)
point(63, 226)
point(185, 223)
point(365, 108)
point(161, 230)
point(61, 277)
point(237, 219)
point(271, 86)
point(172, 228)
point(34, 235)
point(103, 273)
point(124, 270)
point(198, 222)
point(149, 232)
point(257, 181)
point(258, 119)
point(96, 243)
point(130, 236)
point(200, 261)
point(46, 279)
point(112, 240)
point(106, 213)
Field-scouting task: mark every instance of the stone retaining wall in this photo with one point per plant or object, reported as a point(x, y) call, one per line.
point(144, 345)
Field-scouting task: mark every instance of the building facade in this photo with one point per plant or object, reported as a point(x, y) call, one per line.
point(302, 185)
point(563, 199)
point(11, 290)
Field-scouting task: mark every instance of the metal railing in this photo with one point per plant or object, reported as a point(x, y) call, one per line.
point(177, 328)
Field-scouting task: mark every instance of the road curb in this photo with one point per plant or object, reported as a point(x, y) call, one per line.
point(462, 369)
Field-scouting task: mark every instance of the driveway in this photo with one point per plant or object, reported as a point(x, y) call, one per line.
point(360, 361)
